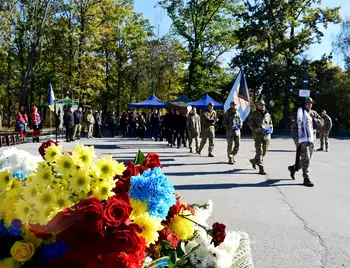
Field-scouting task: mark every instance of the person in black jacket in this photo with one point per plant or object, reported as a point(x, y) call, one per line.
point(112, 124)
point(179, 128)
point(69, 123)
point(78, 123)
point(98, 122)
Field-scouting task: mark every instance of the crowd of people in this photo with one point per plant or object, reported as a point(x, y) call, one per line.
point(186, 129)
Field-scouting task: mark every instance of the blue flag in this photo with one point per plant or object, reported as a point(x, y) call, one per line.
point(51, 102)
point(240, 95)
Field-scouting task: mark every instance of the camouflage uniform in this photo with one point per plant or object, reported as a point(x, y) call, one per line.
point(324, 130)
point(233, 124)
point(194, 129)
point(208, 130)
point(261, 124)
point(306, 148)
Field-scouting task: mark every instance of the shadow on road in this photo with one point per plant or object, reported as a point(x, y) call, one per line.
point(282, 151)
point(193, 164)
point(222, 172)
point(267, 183)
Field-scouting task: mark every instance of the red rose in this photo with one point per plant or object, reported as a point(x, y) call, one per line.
point(141, 169)
point(123, 183)
point(44, 145)
point(117, 210)
point(92, 219)
point(152, 161)
point(218, 233)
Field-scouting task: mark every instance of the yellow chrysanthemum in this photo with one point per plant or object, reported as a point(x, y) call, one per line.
point(80, 182)
point(52, 153)
point(108, 168)
point(139, 208)
point(63, 200)
point(6, 180)
point(65, 164)
point(9, 263)
point(45, 199)
point(46, 214)
point(30, 193)
point(9, 202)
point(23, 210)
point(150, 227)
point(182, 227)
point(103, 190)
point(43, 175)
point(84, 155)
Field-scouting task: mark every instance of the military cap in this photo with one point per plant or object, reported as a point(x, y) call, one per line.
point(261, 102)
point(309, 100)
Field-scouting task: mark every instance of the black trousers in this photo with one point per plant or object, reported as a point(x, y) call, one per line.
point(179, 136)
point(69, 133)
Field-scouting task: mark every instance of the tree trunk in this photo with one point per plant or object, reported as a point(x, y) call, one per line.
point(9, 91)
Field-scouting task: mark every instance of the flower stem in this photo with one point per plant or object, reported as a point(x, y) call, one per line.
point(200, 225)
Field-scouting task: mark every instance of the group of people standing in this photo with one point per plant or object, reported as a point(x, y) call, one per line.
point(22, 123)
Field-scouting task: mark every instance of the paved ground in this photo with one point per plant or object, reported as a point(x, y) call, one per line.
point(290, 226)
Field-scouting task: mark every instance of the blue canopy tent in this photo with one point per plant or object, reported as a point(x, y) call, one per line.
point(183, 99)
point(151, 102)
point(203, 103)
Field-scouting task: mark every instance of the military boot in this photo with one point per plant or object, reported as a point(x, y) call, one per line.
point(319, 150)
point(261, 170)
point(210, 155)
point(253, 162)
point(292, 172)
point(308, 183)
point(191, 151)
point(230, 161)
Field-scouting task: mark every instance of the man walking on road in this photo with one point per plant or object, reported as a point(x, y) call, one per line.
point(262, 127)
point(208, 129)
point(233, 124)
point(90, 122)
point(324, 130)
point(303, 127)
point(78, 121)
point(194, 128)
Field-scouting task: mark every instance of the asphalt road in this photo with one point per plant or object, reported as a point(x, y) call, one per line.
point(290, 226)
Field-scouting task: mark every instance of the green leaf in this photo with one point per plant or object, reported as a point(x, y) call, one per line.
point(140, 158)
point(166, 245)
point(172, 259)
point(181, 262)
point(181, 249)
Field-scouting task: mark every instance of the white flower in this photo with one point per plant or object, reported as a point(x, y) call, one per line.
point(18, 161)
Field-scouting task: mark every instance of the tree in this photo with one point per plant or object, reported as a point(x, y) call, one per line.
point(341, 44)
point(273, 34)
point(208, 28)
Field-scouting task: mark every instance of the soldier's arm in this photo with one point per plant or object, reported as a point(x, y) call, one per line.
point(330, 124)
point(317, 119)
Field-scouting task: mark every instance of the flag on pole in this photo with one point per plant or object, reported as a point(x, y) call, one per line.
point(240, 95)
point(51, 102)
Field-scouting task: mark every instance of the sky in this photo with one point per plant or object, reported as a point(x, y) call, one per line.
point(162, 23)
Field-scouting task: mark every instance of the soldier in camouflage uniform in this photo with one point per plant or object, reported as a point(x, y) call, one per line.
point(208, 129)
point(194, 128)
point(233, 124)
point(307, 145)
point(261, 124)
point(324, 130)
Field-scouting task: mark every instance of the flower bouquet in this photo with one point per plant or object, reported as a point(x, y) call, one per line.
point(77, 210)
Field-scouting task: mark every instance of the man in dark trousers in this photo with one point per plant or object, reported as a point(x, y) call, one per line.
point(98, 122)
point(78, 123)
point(69, 123)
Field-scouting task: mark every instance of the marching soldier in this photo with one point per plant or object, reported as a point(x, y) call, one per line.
point(233, 124)
point(304, 125)
point(194, 128)
point(208, 129)
point(262, 127)
point(324, 130)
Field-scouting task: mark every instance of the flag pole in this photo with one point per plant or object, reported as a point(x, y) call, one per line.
point(56, 117)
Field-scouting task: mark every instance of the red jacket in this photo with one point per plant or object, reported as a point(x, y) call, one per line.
point(21, 118)
point(36, 120)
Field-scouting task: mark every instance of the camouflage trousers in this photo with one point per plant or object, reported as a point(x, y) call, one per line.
point(324, 139)
point(193, 135)
point(306, 151)
point(208, 134)
point(233, 142)
point(261, 147)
